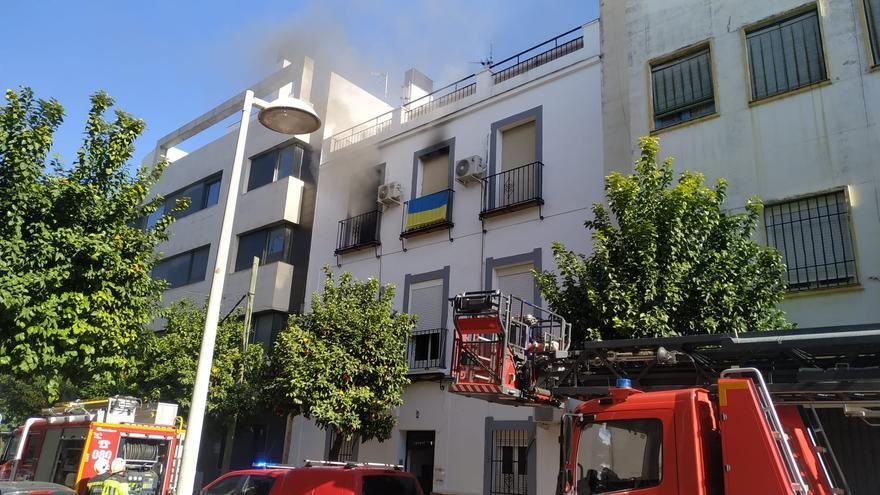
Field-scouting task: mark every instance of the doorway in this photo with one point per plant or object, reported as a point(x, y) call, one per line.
point(420, 457)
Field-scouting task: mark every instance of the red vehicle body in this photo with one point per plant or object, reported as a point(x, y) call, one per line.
point(322, 479)
point(732, 434)
point(71, 444)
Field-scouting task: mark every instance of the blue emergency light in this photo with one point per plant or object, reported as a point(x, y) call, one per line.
point(623, 383)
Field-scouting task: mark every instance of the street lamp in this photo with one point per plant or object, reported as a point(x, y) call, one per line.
point(286, 115)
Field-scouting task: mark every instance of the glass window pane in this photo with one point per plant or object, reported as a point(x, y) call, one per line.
point(212, 193)
point(174, 270)
point(226, 486)
point(872, 13)
point(682, 89)
point(620, 455)
point(276, 248)
point(250, 245)
point(389, 485)
point(199, 265)
point(290, 162)
point(258, 485)
point(194, 193)
point(262, 170)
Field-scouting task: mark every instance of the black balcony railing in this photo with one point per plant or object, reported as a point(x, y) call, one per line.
point(538, 55)
point(512, 189)
point(426, 350)
point(362, 131)
point(358, 232)
point(427, 213)
point(444, 96)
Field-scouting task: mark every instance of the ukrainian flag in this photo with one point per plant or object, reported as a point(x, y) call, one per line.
point(427, 210)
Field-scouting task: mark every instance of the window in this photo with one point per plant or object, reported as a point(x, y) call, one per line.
point(682, 88)
point(275, 165)
point(785, 55)
point(518, 146)
point(348, 451)
point(202, 194)
point(425, 349)
point(813, 235)
point(226, 486)
point(620, 455)
point(509, 462)
point(435, 172)
point(184, 268)
point(872, 15)
point(257, 485)
point(266, 328)
point(270, 245)
point(387, 484)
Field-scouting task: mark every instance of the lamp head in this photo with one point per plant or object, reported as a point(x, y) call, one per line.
point(290, 116)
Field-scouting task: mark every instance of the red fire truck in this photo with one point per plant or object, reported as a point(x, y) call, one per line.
point(71, 443)
point(732, 414)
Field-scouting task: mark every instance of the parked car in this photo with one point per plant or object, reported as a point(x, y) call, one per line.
point(33, 488)
point(317, 478)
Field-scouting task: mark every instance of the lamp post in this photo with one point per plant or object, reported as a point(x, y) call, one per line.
point(286, 115)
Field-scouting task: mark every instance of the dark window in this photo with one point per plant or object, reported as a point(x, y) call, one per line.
point(202, 194)
point(786, 55)
point(226, 486)
point(270, 245)
point(872, 13)
point(266, 328)
point(257, 485)
point(274, 165)
point(509, 462)
point(212, 192)
point(682, 89)
point(389, 485)
point(184, 268)
point(620, 455)
point(813, 235)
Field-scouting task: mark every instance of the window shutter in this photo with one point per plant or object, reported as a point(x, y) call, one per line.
point(682, 83)
point(521, 285)
point(427, 302)
point(435, 173)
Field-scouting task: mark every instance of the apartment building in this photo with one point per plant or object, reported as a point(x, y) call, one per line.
point(273, 220)
point(530, 126)
point(780, 97)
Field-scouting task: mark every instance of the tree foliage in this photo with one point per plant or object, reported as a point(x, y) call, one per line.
point(170, 361)
point(344, 363)
point(667, 260)
point(75, 285)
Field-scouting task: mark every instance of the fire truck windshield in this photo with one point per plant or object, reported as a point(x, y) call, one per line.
point(619, 455)
point(11, 447)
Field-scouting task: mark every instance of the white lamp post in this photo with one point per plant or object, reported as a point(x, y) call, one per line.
point(286, 115)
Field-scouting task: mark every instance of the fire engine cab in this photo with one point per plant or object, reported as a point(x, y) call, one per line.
point(71, 443)
point(732, 414)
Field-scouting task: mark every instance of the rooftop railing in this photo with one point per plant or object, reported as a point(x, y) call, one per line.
point(362, 131)
point(538, 55)
point(444, 96)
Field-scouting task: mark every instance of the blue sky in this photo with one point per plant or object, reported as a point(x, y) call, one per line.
point(167, 62)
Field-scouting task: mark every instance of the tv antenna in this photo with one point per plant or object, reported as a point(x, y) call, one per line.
point(488, 61)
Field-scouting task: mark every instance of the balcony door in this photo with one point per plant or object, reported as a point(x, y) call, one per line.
point(426, 299)
point(517, 179)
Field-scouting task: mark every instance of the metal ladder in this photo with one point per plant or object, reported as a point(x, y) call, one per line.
point(825, 452)
point(794, 474)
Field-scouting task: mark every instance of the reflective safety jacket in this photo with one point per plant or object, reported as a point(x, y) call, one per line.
point(104, 484)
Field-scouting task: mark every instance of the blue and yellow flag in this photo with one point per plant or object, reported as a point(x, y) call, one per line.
point(427, 210)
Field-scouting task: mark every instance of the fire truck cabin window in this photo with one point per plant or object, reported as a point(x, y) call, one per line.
point(619, 455)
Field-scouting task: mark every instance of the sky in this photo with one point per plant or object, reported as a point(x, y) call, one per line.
point(167, 62)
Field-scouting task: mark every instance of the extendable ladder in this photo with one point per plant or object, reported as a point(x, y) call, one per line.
point(826, 454)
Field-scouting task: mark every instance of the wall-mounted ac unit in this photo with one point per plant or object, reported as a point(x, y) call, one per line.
point(389, 194)
point(470, 170)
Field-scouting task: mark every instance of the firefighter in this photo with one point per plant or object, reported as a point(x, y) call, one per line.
point(110, 483)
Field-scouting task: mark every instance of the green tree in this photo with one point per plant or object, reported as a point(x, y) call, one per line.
point(75, 285)
point(171, 357)
point(344, 363)
point(667, 260)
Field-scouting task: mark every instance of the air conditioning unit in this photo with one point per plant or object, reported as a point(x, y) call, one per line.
point(389, 194)
point(470, 170)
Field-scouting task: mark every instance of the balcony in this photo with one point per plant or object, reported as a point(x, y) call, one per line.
point(362, 131)
point(538, 55)
point(358, 232)
point(512, 190)
point(426, 352)
point(444, 96)
point(427, 214)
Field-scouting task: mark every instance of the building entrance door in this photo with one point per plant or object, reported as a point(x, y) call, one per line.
point(420, 457)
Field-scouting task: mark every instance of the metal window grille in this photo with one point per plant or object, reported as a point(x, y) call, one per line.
point(348, 451)
point(426, 349)
point(514, 187)
point(786, 55)
point(358, 231)
point(872, 14)
point(682, 89)
point(813, 235)
point(509, 462)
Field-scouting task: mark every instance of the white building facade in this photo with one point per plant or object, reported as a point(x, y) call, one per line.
point(273, 222)
point(781, 98)
point(534, 122)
